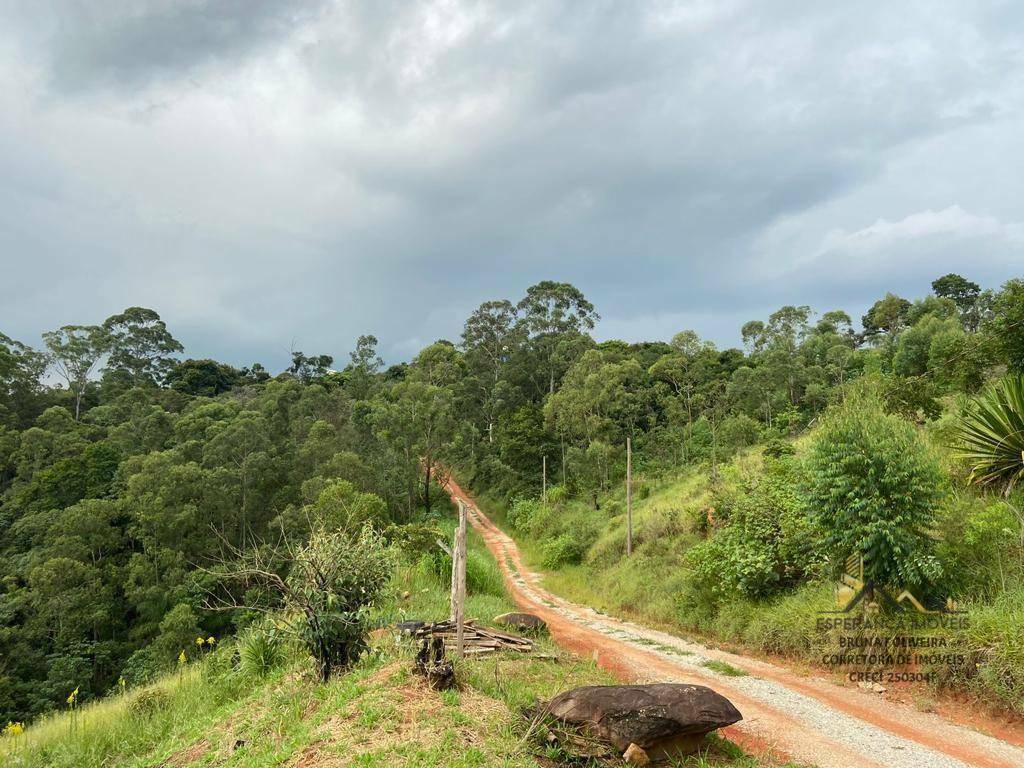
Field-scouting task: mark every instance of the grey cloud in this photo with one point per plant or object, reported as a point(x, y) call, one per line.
point(387, 166)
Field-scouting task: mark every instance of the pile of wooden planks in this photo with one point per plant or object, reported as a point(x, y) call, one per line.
point(476, 640)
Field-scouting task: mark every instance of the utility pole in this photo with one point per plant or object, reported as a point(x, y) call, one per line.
point(459, 581)
point(629, 496)
point(544, 479)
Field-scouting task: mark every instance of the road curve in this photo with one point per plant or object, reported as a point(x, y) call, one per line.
point(806, 719)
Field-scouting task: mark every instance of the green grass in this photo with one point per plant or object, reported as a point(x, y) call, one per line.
point(723, 668)
point(981, 546)
point(378, 714)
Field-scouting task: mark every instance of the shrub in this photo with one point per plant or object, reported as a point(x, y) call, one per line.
point(333, 583)
point(260, 651)
point(991, 435)
point(565, 549)
point(873, 487)
point(523, 513)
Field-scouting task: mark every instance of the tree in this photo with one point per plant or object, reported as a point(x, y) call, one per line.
point(489, 338)
point(887, 315)
point(363, 369)
point(552, 314)
point(1005, 326)
point(203, 378)
point(21, 369)
point(140, 346)
point(309, 368)
point(963, 293)
point(75, 350)
point(873, 489)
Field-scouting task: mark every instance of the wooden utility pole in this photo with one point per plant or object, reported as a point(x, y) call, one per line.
point(544, 479)
point(459, 581)
point(629, 496)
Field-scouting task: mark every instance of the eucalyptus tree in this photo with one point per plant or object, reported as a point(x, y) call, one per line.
point(140, 346)
point(74, 351)
point(489, 338)
point(556, 317)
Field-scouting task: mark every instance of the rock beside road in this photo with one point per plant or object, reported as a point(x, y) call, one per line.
point(661, 720)
point(523, 622)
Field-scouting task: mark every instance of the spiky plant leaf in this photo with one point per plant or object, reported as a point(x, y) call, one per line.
point(991, 435)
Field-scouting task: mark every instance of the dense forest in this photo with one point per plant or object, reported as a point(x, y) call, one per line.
point(129, 471)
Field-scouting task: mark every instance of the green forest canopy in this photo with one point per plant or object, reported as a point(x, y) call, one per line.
point(122, 484)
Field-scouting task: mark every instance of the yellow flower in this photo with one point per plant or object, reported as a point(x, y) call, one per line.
point(13, 729)
point(121, 682)
point(73, 697)
point(200, 641)
point(181, 657)
point(211, 640)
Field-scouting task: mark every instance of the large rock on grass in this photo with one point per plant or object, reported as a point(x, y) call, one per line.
point(664, 719)
point(523, 622)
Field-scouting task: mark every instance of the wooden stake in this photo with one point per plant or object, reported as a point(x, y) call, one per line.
point(459, 582)
point(629, 496)
point(544, 479)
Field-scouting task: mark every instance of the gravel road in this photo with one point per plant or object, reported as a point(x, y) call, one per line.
point(808, 719)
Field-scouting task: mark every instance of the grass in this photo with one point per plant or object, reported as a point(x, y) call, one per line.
point(981, 545)
point(378, 714)
point(723, 668)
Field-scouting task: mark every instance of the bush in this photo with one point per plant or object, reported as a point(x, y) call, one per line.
point(523, 513)
point(991, 435)
point(333, 583)
point(565, 549)
point(873, 487)
point(260, 651)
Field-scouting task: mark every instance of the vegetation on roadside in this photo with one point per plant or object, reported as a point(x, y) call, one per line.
point(224, 710)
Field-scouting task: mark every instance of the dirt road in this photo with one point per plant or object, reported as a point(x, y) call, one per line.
point(802, 718)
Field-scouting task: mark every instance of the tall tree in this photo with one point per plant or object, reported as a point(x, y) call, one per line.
point(140, 345)
point(21, 369)
point(1006, 325)
point(964, 293)
point(888, 315)
point(553, 314)
point(489, 338)
point(74, 351)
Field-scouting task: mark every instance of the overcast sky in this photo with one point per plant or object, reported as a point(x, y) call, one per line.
point(267, 174)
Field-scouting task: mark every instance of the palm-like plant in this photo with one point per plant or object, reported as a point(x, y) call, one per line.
point(991, 435)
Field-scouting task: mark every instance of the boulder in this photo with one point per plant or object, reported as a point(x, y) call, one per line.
point(523, 622)
point(663, 719)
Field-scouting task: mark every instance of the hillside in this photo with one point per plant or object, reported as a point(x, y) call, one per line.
point(730, 559)
point(216, 712)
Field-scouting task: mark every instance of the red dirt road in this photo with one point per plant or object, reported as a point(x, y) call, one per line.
point(807, 719)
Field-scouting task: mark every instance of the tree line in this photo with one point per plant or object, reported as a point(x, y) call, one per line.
point(122, 483)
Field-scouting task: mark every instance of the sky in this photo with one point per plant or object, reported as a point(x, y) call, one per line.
point(272, 176)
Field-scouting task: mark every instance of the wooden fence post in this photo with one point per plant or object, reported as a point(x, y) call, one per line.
point(629, 496)
point(459, 581)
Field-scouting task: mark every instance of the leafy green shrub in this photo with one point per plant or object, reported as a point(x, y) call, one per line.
point(523, 513)
point(873, 488)
point(557, 494)
point(982, 547)
point(260, 651)
point(565, 549)
point(738, 431)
